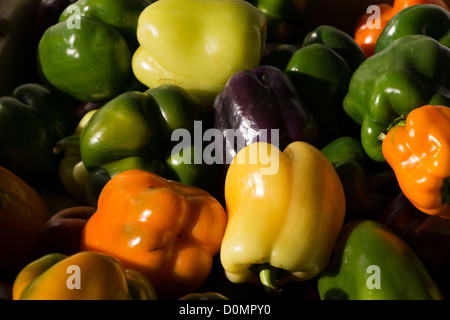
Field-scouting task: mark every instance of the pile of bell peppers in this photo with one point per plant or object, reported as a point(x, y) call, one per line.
point(224, 149)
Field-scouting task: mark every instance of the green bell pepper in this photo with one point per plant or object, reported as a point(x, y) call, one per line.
point(321, 76)
point(134, 131)
point(87, 55)
point(32, 120)
point(341, 42)
point(284, 17)
point(425, 19)
point(373, 263)
point(366, 187)
point(409, 73)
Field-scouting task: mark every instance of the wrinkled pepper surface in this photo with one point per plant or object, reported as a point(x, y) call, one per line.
point(285, 211)
point(87, 55)
point(23, 215)
point(255, 104)
point(32, 120)
point(366, 188)
point(426, 19)
point(134, 131)
point(418, 150)
point(321, 77)
point(198, 44)
point(408, 74)
point(168, 231)
point(371, 262)
point(370, 25)
point(82, 276)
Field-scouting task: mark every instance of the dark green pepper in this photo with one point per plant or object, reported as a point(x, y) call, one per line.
point(87, 55)
point(410, 73)
point(284, 17)
point(341, 42)
point(321, 77)
point(365, 188)
point(134, 131)
point(425, 19)
point(372, 263)
point(32, 120)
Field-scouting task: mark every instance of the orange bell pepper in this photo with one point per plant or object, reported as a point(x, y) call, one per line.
point(418, 151)
point(168, 231)
point(367, 37)
point(23, 215)
point(83, 276)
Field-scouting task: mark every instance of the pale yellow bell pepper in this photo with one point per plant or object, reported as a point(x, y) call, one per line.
point(198, 44)
point(285, 211)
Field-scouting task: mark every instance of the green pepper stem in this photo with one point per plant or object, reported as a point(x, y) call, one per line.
point(67, 142)
point(268, 278)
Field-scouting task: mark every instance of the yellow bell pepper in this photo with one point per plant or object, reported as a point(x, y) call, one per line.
point(198, 44)
point(283, 222)
point(86, 275)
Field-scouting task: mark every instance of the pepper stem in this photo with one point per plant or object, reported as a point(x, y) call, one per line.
point(268, 277)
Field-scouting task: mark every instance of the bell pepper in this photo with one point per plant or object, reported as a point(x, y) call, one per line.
point(168, 231)
point(62, 232)
point(341, 42)
point(256, 102)
point(285, 211)
point(198, 44)
point(82, 276)
point(134, 131)
point(409, 73)
point(71, 169)
point(428, 236)
point(87, 54)
point(417, 150)
point(426, 19)
point(23, 215)
point(370, 262)
point(370, 25)
point(278, 55)
point(17, 55)
point(204, 296)
point(321, 76)
point(367, 188)
point(284, 17)
point(32, 120)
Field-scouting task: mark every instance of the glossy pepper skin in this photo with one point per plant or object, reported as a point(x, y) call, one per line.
point(341, 42)
point(367, 35)
point(366, 187)
point(321, 76)
point(426, 19)
point(134, 131)
point(256, 102)
point(32, 120)
point(285, 211)
point(198, 44)
point(418, 152)
point(82, 276)
point(167, 231)
point(373, 263)
point(91, 61)
point(23, 215)
point(408, 74)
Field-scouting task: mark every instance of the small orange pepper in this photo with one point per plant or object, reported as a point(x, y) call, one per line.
point(367, 37)
point(418, 151)
point(168, 231)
